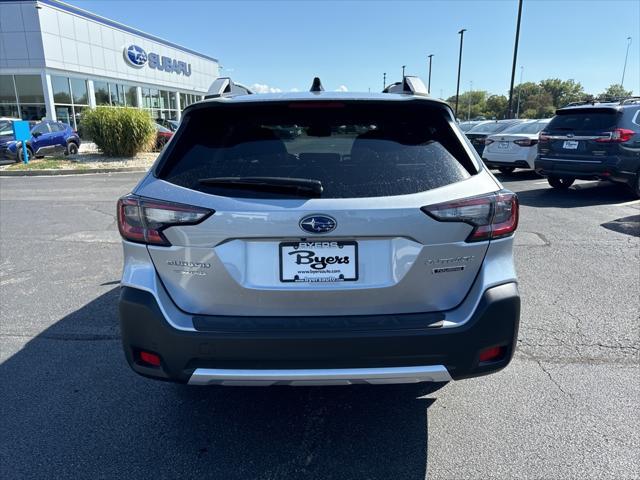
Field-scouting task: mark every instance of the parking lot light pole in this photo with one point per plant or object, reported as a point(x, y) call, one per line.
point(384, 80)
point(519, 92)
point(403, 67)
point(515, 59)
point(429, 82)
point(624, 69)
point(461, 33)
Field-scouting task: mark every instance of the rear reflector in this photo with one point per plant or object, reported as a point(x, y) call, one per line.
point(526, 142)
point(149, 358)
point(142, 221)
point(493, 216)
point(492, 354)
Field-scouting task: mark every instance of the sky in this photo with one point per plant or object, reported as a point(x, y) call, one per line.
point(282, 45)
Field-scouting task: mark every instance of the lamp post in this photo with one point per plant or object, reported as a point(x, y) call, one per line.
point(515, 59)
point(470, 94)
point(384, 80)
point(461, 33)
point(403, 67)
point(625, 61)
point(429, 82)
point(519, 92)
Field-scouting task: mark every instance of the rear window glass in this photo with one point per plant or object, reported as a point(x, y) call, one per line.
point(354, 150)
point(488, 128)
point(529, 127)
point(584, 121)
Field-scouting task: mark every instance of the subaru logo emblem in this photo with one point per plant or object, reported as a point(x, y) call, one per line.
point(318, 224)
point(135, 56)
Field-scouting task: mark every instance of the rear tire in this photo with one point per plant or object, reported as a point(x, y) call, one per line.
point(635, 189)
point(561, 183)
point(72, 149)
point(29, 155)
point(506, 170)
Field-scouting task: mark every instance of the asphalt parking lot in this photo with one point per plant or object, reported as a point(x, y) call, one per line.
point(566, 407)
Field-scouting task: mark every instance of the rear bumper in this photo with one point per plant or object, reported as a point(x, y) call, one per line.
point(338, 351)
point(505, 162)
point(607, 169)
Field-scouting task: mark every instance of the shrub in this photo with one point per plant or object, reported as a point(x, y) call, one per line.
point(119, 132)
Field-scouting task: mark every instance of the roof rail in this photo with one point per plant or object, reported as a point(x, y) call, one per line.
point(629, 100)
point(224, 86)
point(410, 84)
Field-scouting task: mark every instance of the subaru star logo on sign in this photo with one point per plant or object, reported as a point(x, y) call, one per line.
point(318, 224)
point(137, 58)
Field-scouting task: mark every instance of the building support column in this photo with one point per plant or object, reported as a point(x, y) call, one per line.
point(139, 97)
point(91, 93)
point(47, 91)
point(178, 107)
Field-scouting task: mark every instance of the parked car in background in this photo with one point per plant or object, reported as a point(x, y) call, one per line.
point(515, 147)
point(163, 135)
point(169, 124)
point(481, 131)
point(47, 138)
point(377, 253)
point(466, 126)
point(597, 141)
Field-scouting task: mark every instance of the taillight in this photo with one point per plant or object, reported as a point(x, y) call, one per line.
point(488, 141)
point(142, 221)
point(619, 135)
point(492, 216)
point(526, 142)
point(543, 137)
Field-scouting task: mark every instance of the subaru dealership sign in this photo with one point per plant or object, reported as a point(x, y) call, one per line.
point(137, 58)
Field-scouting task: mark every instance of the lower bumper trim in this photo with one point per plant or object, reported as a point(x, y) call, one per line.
point(309, 377)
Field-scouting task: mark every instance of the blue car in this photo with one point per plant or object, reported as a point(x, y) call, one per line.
point(47, 138)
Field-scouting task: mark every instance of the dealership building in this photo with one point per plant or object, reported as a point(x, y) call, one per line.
point(57, 60)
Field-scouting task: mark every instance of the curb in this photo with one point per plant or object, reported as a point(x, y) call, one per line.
point(37, 173)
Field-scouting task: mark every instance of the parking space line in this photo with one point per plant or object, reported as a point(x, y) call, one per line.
point(540, 183)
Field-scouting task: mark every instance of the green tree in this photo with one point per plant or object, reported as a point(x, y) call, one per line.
point(470, 104)
point(562, 91)
point(496, 107)
point(615, 91)
point(539, 105)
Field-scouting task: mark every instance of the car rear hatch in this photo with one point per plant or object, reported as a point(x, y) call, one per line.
point(580, 139)
point(270, 242)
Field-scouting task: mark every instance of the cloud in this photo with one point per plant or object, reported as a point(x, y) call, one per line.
point(342, 88)
point(294, 90)
point(263, 88)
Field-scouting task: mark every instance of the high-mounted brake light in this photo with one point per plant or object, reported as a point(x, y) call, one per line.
point(491, 216)
point(142, 221)
point(619, 135)
point(526, 142)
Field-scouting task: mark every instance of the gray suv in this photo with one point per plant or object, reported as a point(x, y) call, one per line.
point(318, 238)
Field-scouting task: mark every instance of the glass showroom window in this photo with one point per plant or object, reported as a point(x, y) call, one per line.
point(70, 98)
point(28, 99)
point(115, 94)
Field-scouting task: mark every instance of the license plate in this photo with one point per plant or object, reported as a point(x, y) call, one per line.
point(570, 145)
point(322, 261)
point(503, 145)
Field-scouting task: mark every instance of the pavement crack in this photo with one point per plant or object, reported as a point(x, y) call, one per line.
point(553, 380)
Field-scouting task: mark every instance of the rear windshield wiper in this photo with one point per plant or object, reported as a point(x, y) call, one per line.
point(301, 186)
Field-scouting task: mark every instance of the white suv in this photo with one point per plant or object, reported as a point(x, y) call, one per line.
point(318, 238)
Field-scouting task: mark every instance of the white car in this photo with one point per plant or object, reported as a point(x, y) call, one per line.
point(515, 147)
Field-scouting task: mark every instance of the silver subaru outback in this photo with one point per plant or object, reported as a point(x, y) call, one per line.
point(318, 238)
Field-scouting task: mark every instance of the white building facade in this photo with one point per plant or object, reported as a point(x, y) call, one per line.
point(57, 60)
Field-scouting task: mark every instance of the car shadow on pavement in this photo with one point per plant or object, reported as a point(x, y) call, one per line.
point(72, 408)
point(583, 194)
